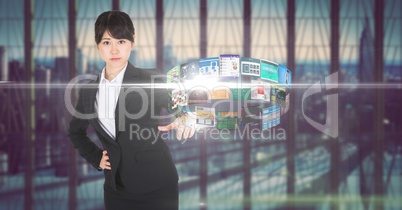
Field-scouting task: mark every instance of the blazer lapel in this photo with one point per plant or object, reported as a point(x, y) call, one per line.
point(131, 76)
point(90, 108)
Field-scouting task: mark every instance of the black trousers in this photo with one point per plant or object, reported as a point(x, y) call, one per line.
point(166, 198)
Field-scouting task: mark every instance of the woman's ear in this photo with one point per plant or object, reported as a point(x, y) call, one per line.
point(132, 44)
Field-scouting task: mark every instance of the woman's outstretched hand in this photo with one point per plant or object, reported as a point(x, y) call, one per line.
point(184, 125)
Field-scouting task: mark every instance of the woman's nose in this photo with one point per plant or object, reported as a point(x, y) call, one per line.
point(114, 50)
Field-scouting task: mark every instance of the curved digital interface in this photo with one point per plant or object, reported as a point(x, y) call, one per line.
point(230, 91)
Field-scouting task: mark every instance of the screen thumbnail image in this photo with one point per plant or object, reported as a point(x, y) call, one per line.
point(205, 116)
point(285, 76)
point(281, 98)
point(278, 95)
point(229, 65)
point(260, 90)
point(173, 75)
point(209, 67)
point(250, 114)
point(226, 120)
point(179, 98)
point(189, 71)
point(197, 96)
point(270, 117)
point(250, 66)
point(269, 71)
point(287, 103)
point(220, 93)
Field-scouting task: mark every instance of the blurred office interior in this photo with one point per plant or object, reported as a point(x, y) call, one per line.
point(46, 43)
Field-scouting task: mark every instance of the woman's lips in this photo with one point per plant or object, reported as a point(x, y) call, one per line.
point(115, 59)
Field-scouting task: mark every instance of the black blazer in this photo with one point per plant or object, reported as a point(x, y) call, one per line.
point(139, 154)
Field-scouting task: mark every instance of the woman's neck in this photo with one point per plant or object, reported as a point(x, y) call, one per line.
point(112, 72)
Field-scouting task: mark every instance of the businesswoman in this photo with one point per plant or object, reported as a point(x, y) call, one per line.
point(136, 162)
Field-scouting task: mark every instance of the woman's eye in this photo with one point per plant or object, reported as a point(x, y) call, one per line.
point(122, 42)
point(106, 42)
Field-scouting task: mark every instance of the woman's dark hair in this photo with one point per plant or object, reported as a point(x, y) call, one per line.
point(117, 23)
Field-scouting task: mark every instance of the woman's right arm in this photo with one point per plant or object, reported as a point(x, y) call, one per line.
point(77, 133)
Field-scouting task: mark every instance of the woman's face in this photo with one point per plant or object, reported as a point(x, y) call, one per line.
point(115, 52)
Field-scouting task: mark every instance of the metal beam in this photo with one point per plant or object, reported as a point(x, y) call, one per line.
point(203, 174)
point(29, 107)
point(334, 67)
point(203, 161)
point(247, 28)
point(159, 35)
point(203, 28)
point(115, 5)
point(291, 64)
point(246, 140)
point(246, 173)
point(379, 106)
point(72, 50)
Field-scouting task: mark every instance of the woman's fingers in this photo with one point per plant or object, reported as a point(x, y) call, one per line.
point(192, 132)
point(105, 164)
point(188, 132)
point(107, 167)
point(180, 131)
